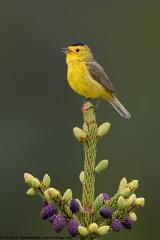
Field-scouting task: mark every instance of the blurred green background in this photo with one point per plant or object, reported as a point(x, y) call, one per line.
point(39, 110)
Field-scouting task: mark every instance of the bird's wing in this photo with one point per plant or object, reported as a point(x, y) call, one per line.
point(99, 75)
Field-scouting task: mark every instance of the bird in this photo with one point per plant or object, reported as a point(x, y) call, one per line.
point(88, 78)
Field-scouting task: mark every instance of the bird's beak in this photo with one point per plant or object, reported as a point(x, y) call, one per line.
point(65, 50)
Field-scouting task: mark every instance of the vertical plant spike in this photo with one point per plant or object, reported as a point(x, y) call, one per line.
point(92, 217)
point(89, 163)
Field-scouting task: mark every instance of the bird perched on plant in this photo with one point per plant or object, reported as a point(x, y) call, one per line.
point(88, 78)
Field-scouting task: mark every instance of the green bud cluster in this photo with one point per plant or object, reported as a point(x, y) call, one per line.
point(93, 217)
point(93, 230)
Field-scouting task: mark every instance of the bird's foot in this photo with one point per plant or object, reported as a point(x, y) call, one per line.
point(86, 100)
point(95, 107)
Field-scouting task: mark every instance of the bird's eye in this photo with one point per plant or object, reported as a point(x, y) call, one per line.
point(77, 49)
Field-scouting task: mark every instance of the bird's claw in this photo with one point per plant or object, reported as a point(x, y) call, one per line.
point(94, 107)
point(86, 100)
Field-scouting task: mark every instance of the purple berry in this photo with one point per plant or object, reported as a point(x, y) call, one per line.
point(58, 223)
point(74, 206)
point(45, 203)
point(73, 227)
point(106, 212)
point(51, 219)
point(44, 214)
point(116, 225)
point(127, 223)
point(106, 197)
point(51, 209)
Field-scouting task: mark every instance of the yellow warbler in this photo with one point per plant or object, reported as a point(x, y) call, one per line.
point(88, 78)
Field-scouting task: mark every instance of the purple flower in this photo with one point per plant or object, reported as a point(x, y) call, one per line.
point(73, 227)
point(106, 212)
point(116, 225)
point(58, 223)
point(127, 223)
point(74, 206)
point(51, 209)
point(51, 219)
point(106, 197)
point(45, 203)
point(44, 214)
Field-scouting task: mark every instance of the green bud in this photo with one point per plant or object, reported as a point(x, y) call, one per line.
point(121, 202)
point(101, 166)
point(67, 195)
point(103, 129)
point(35, 183)
point(81, 177)
point(133, 216)
point(31, 192)
point(46, 180)
point(103, 230)
point(130, 200)
point(47, 196)
point(125, 192)
point(81, 209)
point(123, 184)
point(133, 185)
point(83, 231)
point(139, 202)
point(53, 193)
point(79, 134)
point(28, 178)
point(93, 228)
point(97, 203)
point(132, 197)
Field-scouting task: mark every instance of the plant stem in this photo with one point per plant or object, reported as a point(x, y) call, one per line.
point(90, 128)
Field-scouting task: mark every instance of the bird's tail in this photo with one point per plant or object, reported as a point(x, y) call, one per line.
point(119, 108)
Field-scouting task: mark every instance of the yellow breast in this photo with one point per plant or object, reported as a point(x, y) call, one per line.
point(81, 81)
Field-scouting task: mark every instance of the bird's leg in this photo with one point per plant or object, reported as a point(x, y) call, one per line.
point(86, 100)
point(96, 106)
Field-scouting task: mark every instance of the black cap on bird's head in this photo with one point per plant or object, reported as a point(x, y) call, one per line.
point(77, 44)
